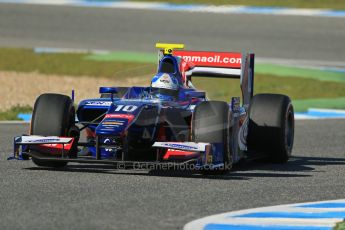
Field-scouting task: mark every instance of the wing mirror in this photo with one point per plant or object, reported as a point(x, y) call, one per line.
point(110, 90)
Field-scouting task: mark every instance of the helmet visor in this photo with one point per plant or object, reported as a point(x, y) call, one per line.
point(165, 92)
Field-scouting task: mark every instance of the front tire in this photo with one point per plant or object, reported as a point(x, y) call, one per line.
point(271, 126)
point(53, 115)
point(210, 124)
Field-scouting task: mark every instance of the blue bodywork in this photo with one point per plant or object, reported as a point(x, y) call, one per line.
point(125, 122)
point(135, 118)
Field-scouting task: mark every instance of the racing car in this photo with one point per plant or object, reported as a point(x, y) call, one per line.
point(168, 124)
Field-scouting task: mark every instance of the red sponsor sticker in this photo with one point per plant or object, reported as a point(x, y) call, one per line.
point(211, 59)
point(129, 117)
point(57, 146)
point(54, 149)
point(174, 153)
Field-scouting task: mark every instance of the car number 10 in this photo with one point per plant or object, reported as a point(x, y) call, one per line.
point(126, 108)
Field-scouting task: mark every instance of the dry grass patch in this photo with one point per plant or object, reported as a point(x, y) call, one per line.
point(22, 89)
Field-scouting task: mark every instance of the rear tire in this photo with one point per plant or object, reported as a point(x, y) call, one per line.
point(210, 124)
point(53, 115)
point(271, 126)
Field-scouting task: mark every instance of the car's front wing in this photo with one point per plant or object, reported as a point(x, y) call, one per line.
point(179, 155)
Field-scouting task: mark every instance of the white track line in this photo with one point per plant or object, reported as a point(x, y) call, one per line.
point(231, 218)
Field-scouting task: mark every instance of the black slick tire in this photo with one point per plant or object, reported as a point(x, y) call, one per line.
point(271, 126)
point(210, 124)
point(53, 115)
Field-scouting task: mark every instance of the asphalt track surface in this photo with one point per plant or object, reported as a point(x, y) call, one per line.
point(289, 37)
point(91, 197)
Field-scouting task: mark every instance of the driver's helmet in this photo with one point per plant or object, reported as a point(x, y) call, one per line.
point(164, 86)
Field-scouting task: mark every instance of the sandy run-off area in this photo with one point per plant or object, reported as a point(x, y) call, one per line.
point(23, 88)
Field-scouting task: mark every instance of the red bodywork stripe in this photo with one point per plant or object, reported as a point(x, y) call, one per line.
point(55, 149)
point(179, 154)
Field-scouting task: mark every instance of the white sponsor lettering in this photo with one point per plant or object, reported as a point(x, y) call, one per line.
point(212, 59)
point(196, 58)
point(43, 140)
point(189, 146)
point(99, 103)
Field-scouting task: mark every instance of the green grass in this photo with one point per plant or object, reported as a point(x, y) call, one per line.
point(75, 64)
point(301, 90)
point(280, 70)
point(340, 226)
point(112, 66)
point(12, 113)
point(322, 4)
point(325, 103)
point(124, 56)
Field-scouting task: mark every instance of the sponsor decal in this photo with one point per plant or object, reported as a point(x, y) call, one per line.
point(54, 149)
point(179, 146)
point(211, 59)
point(109, 140)
point(128, 117)
point(58, 146)
point(174, 153)
point(99, 103)
point(188, 146)
point(108, 128)
point(123, 116)
point(112, 123)
point(110, 150)
point(43, 140)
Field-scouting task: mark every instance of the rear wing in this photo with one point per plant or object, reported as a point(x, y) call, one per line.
point(222, 65)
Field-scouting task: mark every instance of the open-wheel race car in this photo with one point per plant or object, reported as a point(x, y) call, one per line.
point(169, 124)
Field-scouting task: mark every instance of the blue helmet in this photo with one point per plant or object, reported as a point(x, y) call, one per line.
point(165, 86)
